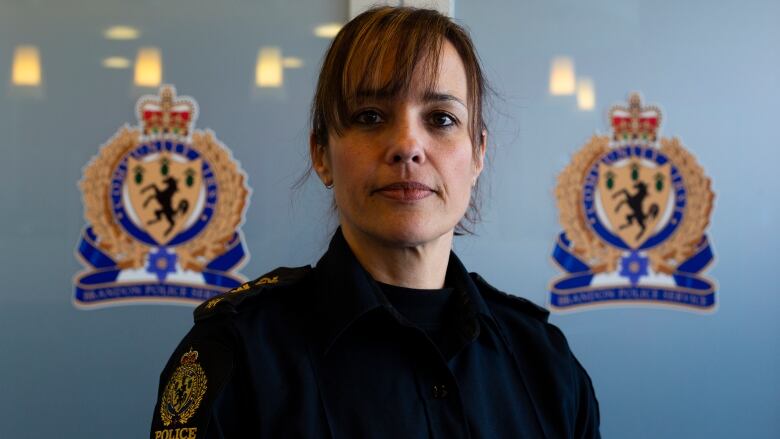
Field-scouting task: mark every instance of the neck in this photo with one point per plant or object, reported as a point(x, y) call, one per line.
point(420, 266)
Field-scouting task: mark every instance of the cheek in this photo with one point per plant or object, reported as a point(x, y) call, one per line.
point(352, 177)
point(461, 170)
point(350, 170)
point(458, 185)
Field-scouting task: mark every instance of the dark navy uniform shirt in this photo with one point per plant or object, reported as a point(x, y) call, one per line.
point(322, 353)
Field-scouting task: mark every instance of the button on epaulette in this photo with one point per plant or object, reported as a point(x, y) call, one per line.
point(512, 300)
point(229, 301)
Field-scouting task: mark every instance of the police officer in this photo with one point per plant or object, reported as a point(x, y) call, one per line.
point(388, 336)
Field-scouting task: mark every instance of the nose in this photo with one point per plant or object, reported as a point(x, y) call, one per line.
point(406, 143)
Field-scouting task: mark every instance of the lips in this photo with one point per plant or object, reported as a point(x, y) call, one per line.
point(406, 191)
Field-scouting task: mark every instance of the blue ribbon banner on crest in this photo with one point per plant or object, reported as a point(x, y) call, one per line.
point(100, 287)
point(574, 289)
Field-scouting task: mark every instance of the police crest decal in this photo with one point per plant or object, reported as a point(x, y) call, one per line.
point(634, 208)
point(163, 203)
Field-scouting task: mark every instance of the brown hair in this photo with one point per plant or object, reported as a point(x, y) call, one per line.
point(403, 39)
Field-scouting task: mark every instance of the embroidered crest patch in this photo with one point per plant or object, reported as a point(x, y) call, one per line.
point(184, 391)
point(163, 204)
point(634, 209)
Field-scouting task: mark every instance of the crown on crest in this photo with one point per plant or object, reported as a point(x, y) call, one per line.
point(190, 357)
point(635, 124)
point(167, 115)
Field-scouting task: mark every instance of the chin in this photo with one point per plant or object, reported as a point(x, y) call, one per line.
point(411, 233)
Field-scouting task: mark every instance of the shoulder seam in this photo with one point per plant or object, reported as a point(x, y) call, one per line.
point(529, 307)
point(228, 302)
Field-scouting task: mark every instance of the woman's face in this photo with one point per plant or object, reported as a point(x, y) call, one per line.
point(403, 170)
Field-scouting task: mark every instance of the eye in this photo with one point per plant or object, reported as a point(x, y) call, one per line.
point(442, 119)
point(367, 117)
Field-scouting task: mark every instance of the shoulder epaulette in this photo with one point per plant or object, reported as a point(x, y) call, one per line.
point(515, 301)
point(230, 300)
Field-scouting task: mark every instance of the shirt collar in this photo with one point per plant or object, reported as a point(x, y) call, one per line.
point(348, 292)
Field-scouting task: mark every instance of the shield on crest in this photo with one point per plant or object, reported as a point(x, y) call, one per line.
point(634, 196)
point(163, 191)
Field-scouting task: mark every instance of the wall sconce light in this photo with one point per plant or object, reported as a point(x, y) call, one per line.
point(116, 62)
point(586, 94)
point(327, 30)
point(121, 33)
point(148, 67)
point(291, 62)
point(26, 67)
point(269, 71)
point(562, 80)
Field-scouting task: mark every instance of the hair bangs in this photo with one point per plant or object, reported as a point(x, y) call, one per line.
point(389, 70)
point(388, 52)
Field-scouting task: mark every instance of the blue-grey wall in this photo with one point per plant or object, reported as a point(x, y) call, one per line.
point(712, 66)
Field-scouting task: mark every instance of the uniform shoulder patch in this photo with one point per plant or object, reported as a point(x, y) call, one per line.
point(524, 305)
point(189, 385)
point(228, 302)
point(184, 391)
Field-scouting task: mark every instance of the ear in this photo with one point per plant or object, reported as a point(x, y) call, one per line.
point(479, 157)
point(320, 161)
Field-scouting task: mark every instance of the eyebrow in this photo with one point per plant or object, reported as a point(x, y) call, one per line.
point(429, 96)
point(442, 97)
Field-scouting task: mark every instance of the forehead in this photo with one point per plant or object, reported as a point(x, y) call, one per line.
point(451, 74)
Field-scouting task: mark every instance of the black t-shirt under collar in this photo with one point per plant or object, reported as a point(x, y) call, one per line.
point(426, 309)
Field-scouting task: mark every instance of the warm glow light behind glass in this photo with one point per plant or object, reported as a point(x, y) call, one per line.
point(327, 30)
point(268, 70)
point(562, 80)
point(290, 62)
point(116, 62)
point(121, 33)
point(26, 68)
point(586, 94)
point(148, 67)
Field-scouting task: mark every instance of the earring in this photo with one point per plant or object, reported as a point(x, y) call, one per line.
point(328, 185)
